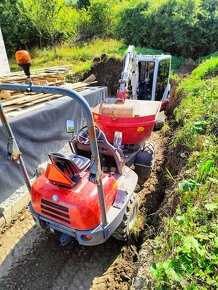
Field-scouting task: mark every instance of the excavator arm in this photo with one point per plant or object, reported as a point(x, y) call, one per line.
point(145, 77)
point(129, 75)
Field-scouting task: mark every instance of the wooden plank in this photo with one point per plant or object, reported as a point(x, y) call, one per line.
point(10, 109)
point(61, 78)
point(32, 103)
point(17, 99)
point(5, 95)
point(90, 79)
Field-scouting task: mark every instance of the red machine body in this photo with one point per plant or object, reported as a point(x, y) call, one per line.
point(134, 130)
point(164, 104)
point(77, 207)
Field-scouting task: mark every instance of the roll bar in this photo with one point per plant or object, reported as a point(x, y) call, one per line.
point(15, 155)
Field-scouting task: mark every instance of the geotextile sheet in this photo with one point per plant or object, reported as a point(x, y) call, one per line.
point(40, 131)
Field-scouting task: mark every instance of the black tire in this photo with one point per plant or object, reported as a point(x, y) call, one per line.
point(122, 233)
point(144, 163)
point(137, 188)
point(158, 125)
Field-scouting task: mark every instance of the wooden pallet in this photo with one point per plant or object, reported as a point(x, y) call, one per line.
point(51, 77)
point(36, 80)
point(21, 101)
point(13, 101)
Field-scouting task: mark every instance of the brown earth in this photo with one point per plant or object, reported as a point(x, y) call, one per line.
point(108, 72)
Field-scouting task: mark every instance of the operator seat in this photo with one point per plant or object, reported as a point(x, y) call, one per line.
point(107, 151)
point(73, 163)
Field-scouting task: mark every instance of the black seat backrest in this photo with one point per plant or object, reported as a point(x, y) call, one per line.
point(73, 163)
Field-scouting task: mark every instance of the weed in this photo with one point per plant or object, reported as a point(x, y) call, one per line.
point(186, 253)
point(169, 175)
point(165, 128)
point(138, 226)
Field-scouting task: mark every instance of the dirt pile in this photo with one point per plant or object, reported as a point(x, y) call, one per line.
point(107, 71)
point(187, 68)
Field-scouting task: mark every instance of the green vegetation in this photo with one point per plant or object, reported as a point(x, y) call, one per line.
point(80, 58)
point(186, 252)
point(50, 18)
point(180, 27)
point(187, 28)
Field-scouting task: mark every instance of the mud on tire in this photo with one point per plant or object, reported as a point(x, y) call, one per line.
point(122, 233)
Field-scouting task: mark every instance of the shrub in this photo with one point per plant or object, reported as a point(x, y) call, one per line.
point(17, 30)
point(188, 28)
point(95, 20)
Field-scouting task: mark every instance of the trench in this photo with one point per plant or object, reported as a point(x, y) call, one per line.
point(33, 259)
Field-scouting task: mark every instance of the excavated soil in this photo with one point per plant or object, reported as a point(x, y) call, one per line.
point(107, 72)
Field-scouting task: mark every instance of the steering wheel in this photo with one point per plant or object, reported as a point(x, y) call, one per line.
point(83, 135)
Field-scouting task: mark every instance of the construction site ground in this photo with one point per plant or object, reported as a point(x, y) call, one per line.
point(33, 259)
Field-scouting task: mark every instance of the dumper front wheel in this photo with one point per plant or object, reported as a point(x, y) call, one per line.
point(123, 231)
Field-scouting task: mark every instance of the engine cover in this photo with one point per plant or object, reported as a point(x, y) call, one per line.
point(77, 207)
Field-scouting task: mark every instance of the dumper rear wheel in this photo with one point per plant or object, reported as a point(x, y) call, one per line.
point(144, 163)
point(122, 233)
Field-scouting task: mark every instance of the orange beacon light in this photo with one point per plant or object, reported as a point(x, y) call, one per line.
point(23, 59)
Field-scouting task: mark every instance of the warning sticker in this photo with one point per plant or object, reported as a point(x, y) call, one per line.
point(140, 129)
point(95, 116)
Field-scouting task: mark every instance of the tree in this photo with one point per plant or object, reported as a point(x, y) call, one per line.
point(51, 18)
point(17, 30)
point(96, 20)
point(183, 27)
point(83, 4)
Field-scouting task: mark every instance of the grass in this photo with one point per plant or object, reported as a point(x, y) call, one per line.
point(186, 252)
point(138, 226)
point(80, 58)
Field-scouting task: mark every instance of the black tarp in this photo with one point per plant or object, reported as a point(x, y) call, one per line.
point(39, 132)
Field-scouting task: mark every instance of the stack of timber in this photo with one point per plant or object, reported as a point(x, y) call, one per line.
point(14, 101)
point(50, 76)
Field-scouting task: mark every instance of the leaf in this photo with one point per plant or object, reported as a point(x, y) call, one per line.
point(193, 286)
point(211, 206)
point(170, 272)
point(216, 242)
point(156, 270)
point(205, 169)
point(198, 126)
point(187, 185)
point(190, 243)
point(202, 237)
